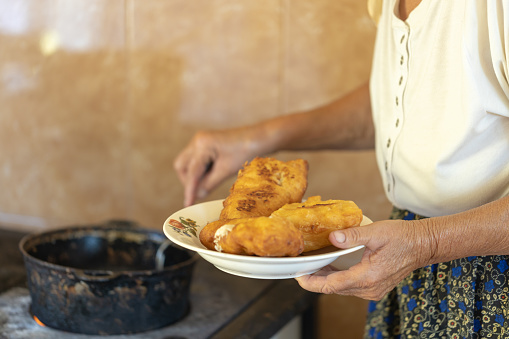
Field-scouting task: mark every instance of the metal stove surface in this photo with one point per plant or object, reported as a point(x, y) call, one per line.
point(16, 322)
point(222, 305)
point(212, 306)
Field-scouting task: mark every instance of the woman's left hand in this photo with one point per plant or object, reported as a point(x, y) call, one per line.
point(394, 248)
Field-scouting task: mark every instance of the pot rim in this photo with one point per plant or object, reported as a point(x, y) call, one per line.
point(22, 244)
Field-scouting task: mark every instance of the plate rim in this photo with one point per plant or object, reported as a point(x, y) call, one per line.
point(258, 259)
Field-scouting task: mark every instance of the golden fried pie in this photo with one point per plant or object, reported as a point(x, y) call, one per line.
point(263, 215)
point(260, 236)
point(208, 232)
point(315, 219)
point(263, 186)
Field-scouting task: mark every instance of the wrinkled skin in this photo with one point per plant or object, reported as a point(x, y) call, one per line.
point(386, 260)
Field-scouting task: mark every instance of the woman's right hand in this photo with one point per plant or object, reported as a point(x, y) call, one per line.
point(211, 157)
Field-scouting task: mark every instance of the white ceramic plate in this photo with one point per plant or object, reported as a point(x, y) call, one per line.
point(184, 226)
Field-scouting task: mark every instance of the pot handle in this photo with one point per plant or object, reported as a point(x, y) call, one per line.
point(96, 275)
point(160, 257)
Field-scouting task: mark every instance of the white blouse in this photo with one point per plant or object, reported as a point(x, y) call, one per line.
point(439, 92)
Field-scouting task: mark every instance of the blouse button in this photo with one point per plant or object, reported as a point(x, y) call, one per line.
point(388, 143)
point(401, 60)
point(402, 39)
point(400, 80)
point(397, 122)
point(397, 101)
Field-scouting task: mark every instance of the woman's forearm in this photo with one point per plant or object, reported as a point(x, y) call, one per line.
point(343, 124)
point(477, 232)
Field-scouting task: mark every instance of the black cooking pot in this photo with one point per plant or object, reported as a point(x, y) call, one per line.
point(103, 279)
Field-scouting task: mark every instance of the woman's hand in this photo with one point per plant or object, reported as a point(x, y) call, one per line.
point(211, 157)
point(394, 248)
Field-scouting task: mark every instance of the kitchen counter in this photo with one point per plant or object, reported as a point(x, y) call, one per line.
point(222, 305)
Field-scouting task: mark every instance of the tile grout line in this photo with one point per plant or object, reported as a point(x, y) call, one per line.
point(128, 49)
point(284, 51)
point(280, 72)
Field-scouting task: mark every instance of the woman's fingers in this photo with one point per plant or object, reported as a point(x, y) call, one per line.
point(387, 259)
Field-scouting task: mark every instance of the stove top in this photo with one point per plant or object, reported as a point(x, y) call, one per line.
point(222, 305)
point(16, 322)
point(211, 306)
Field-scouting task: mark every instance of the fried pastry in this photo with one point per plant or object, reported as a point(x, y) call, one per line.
point(261, 236)
point(264, 216)
point(315, 219)
point(208, 233)
point(263, 186)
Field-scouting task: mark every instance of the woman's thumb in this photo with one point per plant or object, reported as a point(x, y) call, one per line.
point(346, 238)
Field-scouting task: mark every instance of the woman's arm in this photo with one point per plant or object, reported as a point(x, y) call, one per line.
point(212, 156)
point(394, 248)
point(343, 124)
point(477, 232)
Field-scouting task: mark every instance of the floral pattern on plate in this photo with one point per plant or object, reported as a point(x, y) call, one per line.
point(185, 226)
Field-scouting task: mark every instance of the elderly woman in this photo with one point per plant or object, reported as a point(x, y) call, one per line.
point(436, 110)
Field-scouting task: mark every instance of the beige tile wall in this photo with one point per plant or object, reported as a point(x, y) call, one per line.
point(97, 97)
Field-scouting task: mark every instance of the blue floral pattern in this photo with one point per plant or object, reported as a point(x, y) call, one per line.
point(463, 298)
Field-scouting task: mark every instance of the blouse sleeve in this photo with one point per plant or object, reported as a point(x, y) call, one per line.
point(375, 9)
point(498, 32)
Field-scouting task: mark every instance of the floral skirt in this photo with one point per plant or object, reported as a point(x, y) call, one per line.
point(463, 298)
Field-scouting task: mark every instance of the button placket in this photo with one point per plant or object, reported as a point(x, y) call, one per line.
point(400, 84)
